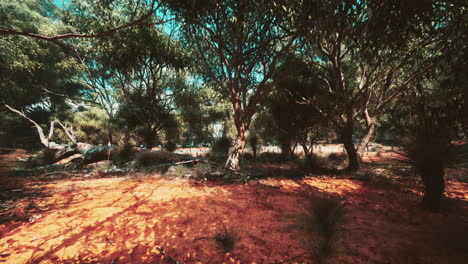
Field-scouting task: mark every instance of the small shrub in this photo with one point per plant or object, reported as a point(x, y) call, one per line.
point(152, 158)
point(170, 146)
point(137, 176)
point(180, 171)
point(221, 146)
point(273, 157)
point(373, 149)
point(327, 211)
point(220, 150)
point(338, 157)
point(124, 155)
point(309, 163)
point(200, 170)
point(321, 217)
point(226, 239)
point(365, 174)
point(248, 156)
point(45, 156)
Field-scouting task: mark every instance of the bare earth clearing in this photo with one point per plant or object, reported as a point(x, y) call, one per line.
point(152, 218)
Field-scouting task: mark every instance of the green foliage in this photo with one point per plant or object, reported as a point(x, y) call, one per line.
point(28, 65)
point(170, 146)
point(428, 124)
point(221, 146)
point(274, 157)
point(247, 156)
point(300, 108)
point(153, 158)
point(201, 170)
point(180, 171)
point(321, 217)
point(313, 163)
point(124, 155)
point(93, 125)
point(338, 157)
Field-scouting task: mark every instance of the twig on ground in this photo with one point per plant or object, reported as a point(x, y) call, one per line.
point(163, 252)
point(57, 172)
point(109, 241)
point(133, 250)
point(201, 238)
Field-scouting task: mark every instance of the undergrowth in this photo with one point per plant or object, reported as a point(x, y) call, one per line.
point(321, 217)
point(226, 239)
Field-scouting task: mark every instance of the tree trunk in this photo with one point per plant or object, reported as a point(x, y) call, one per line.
point(434, 185)
point(365, 140)
point(306, 149)
point(353, 157)
point(237, 149)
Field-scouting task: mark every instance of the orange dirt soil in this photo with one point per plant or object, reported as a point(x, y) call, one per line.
point(130, 219)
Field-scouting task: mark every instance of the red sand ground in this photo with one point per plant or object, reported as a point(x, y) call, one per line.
point(128, 219)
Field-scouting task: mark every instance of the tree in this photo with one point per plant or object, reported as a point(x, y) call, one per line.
point(90, 15)
point(35, 75)
point(239, 44)
point(370, 51)
point(428, 125)
point(307, 110)
point(143, 67)
point(299, 110)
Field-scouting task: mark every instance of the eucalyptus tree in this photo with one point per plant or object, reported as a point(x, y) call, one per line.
point(370, 51)
point(86, 20)
point(238, 44)
point(34, 75)
point(146, 70)
point(301, 109)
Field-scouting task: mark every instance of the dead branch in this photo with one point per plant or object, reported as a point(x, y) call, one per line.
point(39, 129)
point(70, 134)
point(57, 172)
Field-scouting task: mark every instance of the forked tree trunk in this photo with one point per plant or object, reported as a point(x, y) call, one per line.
point(366, 139)
point(353, 157)
point(237, 149)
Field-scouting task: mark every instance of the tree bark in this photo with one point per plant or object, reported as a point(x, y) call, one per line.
point(306, 149)
point(237, 149)
point(434, 185)
point(353, 157)
point(365, 140)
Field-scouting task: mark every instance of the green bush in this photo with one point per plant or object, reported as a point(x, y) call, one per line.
point(220, 150)
point(170, 146)
point(124, 155)
point(221, 146)
point(201, 170)
point(248, 156)
point(321, 217)
point(338, 157)
point(312, 163)
point(47, 156)
point(152, 158)
point(180, 170)
point(273, 157)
